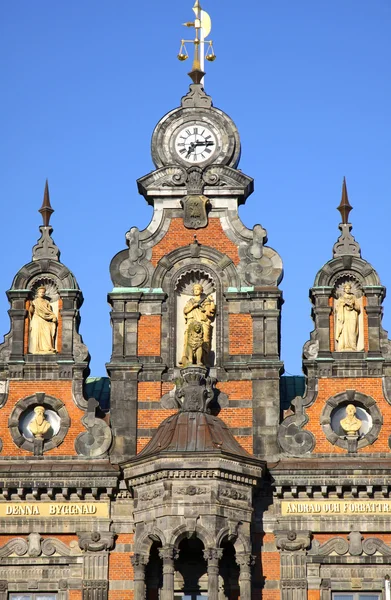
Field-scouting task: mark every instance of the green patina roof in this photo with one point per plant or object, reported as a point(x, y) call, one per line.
point(290, 387)
point(99, 388)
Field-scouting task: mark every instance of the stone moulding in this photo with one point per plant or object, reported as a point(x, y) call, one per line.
point(96, 441)
point(354, 545)
point(34, 545)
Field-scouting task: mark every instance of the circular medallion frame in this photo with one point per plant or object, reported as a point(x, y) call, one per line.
point(24, 406)
point(367, 403)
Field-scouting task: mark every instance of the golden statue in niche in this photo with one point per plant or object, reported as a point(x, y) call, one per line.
point(351, 424)
point(43, 324)
point(347, 309)
point(39, 425)
point(199, 313)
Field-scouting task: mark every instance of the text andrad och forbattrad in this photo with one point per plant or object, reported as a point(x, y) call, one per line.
point(336, 507)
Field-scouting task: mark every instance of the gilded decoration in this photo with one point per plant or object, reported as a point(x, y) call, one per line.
point(39, 425)
point(199, 313)
point(351, 424)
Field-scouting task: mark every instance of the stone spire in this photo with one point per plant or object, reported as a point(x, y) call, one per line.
point(45, 248)
point(346, 244)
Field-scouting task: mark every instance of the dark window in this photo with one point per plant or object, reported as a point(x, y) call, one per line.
point(356, 596)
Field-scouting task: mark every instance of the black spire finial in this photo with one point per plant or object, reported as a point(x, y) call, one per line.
point(344, 206)
point(45, 247)
point(46, 209)
point(346, 244)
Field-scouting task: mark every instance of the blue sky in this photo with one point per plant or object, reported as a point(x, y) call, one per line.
point(84, 83)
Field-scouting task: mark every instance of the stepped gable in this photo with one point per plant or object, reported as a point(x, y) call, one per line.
point(44, 362)
point(346, 361)
point(195, 237)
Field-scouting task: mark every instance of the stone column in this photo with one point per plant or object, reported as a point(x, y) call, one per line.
point(212, 556)
point(168, 555)
point(245, 562)
point(139, 563)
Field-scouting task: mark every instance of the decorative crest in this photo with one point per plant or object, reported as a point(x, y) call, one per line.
point(344, 206)
point(46, 209)
point(202, 25)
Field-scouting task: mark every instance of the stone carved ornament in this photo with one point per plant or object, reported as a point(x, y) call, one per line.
point(292, 541)
point(292, 438)
point(355, 545)
point(95, 541)
point(34, 545)
point(96, 441)
point(131, 268)
point(259, 264)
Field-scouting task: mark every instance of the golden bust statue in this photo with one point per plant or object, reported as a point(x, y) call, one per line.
point(199, 313)
point(347, 309)
point(39, 425)
point(350, 424)
point(43, 324)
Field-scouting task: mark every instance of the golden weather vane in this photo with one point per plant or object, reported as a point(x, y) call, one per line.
point(203, 26)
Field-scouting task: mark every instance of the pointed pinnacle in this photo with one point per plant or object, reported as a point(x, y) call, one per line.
point(46, 209)
point(344, 206)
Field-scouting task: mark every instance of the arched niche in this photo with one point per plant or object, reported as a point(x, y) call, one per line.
point(348, 314)
point(183, 295)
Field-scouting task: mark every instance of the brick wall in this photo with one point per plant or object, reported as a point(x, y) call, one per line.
point(240, 334)
point(149, 335)
point(212, 235)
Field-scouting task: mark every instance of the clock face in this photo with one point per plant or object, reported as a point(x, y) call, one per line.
point(195, 143)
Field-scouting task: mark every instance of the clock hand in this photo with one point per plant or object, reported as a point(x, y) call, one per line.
point(204, 143)
point(191, 149)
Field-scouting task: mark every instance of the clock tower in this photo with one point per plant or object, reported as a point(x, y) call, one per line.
point(196, 237)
